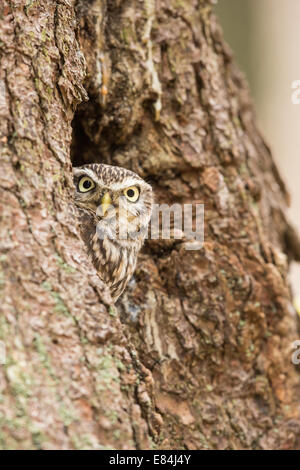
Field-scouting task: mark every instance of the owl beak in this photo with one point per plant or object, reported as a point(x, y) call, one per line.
point(105, 203)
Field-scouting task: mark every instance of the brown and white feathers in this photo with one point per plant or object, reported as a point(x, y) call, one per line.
point(115, 208)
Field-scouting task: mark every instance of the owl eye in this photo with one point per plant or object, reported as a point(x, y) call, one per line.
point(132, 193)
point(85, 184)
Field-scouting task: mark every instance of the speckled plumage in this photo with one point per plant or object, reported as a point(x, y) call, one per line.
point(113, 256)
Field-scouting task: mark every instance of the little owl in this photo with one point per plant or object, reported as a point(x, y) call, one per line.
point(115, 207)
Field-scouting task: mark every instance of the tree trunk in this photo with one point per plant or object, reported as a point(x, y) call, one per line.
point(197, 353)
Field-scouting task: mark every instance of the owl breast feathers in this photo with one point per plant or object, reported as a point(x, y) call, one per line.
point(115, 208)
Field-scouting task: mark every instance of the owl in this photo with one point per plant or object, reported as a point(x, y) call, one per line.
point(115, 207)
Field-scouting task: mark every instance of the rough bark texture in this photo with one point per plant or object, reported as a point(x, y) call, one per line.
point(197, 354)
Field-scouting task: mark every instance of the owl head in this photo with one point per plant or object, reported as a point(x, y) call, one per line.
point(118, 200)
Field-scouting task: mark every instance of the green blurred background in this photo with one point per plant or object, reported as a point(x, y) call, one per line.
point(265, 38)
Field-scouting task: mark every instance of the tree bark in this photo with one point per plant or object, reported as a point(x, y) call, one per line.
point(197, 353)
